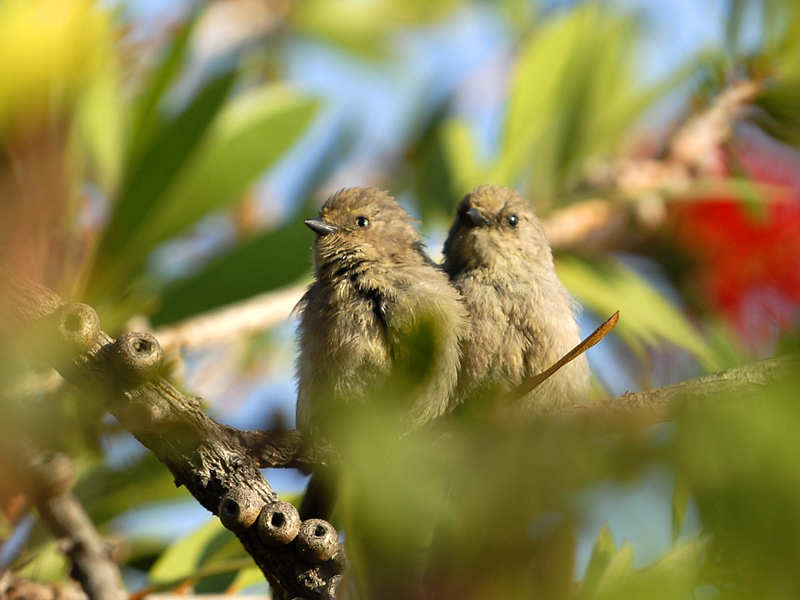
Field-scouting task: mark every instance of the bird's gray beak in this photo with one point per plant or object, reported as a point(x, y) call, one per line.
point(320, 227)
point(477, 218)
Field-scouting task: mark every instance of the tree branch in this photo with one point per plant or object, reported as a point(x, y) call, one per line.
point(213, 461)
point(233, 321)
point(17, 588)
point(46, 479)
point(635, 410)
point(219, 465)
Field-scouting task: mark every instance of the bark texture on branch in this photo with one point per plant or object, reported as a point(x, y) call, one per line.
point(214, 462)
point(220, 465)
point(17, 588)
point(45, 479)
point(641, 409)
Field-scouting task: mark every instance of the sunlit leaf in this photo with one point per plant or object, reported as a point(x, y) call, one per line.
point(432, 177)
point(185, 558)
point(573, 97)
point(603, 552)
point(245, 578)
point(459, 146)
point(51, 52)
point(48, 563)
point(674, 576)
point(250, 135)
point(100, 120)
point(618, 572)
point(145, 184)
point(165, 157)
point(648, 317)
point(535, 98)
point(680, 504)
point(364, 27)
point(145, 118)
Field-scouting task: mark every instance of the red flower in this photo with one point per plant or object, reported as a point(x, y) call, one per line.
point(748, 255)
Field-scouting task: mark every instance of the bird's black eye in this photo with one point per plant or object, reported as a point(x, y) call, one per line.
point(513, 220)
point(362, 221)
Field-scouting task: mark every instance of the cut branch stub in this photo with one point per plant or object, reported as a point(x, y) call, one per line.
point(278, 524)
point(317, 540)
point(239, 509)
point(78, 327)
point(137, 357)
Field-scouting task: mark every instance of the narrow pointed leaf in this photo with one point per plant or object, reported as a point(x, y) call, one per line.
point(603, 552)
point(144, 186)
point(680, 503)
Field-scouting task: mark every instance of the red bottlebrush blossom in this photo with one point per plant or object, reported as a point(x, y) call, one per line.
point(748, 255)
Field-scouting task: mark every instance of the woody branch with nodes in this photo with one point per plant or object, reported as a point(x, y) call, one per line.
point(219, 465)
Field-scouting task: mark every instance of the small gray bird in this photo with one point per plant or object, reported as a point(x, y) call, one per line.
point(522, 319)
point(375, 289)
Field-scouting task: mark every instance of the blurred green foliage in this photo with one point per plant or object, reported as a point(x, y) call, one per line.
point(164, 151)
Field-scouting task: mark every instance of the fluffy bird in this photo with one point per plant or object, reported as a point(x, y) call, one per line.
point(522, 319)
point(374, 291)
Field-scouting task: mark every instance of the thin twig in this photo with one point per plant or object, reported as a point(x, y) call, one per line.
point(532, 383)
point(45, 479)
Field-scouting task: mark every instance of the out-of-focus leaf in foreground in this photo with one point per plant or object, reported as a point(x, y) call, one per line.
point(602, 554)
point(740, 459)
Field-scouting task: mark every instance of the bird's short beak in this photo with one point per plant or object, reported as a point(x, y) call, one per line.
point(320, 227)
point(477, 218)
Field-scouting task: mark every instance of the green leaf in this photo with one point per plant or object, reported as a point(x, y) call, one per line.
point(733, 27)
point(617, 574)
point(680, 503)
point(166, 155)
point(251, 134)
point(365, 28)
point(431, 173)
point(646, 316)
point(107, 493)
point(142, 192)
point(48, 564)
point(145, 119)
point(264, 263)
point(603, 552)
point(194, 555)
point(245, 578)
point(101, 120)
point(573, 97)
point(674, 576)
point(459, 146)
point(536, 96)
